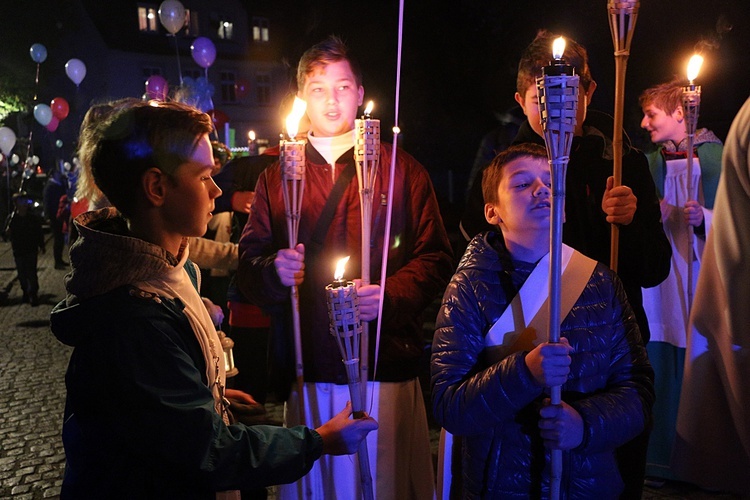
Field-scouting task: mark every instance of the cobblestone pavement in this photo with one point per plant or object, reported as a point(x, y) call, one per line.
point(32, 385)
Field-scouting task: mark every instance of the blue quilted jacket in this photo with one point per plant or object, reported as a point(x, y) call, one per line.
point(495, 407)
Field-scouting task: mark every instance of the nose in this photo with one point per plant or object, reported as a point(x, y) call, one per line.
point(644, 122)
point(215, 190)
point(541, 190)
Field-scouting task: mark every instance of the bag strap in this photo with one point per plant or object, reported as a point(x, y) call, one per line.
point(326, 216)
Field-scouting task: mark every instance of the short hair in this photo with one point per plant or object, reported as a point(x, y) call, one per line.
point(320, 55)
point(139, 136)
point(665, 96)
point(493, 174)
point(539, 54)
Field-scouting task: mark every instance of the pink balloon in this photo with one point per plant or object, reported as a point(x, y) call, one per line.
point(203, 51)
point(53, 123)
point(156, 88)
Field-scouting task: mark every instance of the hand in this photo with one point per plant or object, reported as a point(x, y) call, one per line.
point(560, 426)
point(369, 300)
point(214, 311)
point(549, 363)
point(619, 203)
point(290, 265)
point(342, 435)
point(240, 396)
point(693, 212)
point(666, 210)
point(241, 201)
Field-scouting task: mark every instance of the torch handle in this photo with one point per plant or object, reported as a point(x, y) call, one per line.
point(299, 367)
point(621, 63)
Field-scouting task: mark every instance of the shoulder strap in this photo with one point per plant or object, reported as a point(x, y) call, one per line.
point(326, 216)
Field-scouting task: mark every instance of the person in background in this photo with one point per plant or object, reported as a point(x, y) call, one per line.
point(55, 188)
point(712, 444)
point(141, 332)
point(24, 229)
point(419, 265)
point(667, 306)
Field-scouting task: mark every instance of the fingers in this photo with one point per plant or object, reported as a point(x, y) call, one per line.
point(369, 301)
point(290, 265)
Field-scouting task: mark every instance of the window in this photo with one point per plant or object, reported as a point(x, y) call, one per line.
point(263, 89)
point(228, 80)
point(148, 18)
point(260, 29)
point(226, 29)
point(191, 23)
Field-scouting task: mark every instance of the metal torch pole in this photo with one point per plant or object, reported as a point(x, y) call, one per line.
point(691, 101)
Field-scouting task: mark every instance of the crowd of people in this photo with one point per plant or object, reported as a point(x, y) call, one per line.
point(172, 240)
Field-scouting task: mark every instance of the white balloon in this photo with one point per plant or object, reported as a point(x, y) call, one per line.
point(76, 70)
point(172, 15)
point(14, 159)
point(7, 140)
point(35, 160)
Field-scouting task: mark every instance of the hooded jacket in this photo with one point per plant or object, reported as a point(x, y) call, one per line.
point(140, 420)
point(495, 407)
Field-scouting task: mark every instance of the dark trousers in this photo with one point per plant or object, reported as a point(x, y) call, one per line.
point(26, 267)
point(58, 242)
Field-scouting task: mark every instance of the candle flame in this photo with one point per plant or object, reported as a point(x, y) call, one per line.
point(368, 108)
point(558, 48)
point(694, 67)
point(340, 267)
point(292, 121)
point(251, 135)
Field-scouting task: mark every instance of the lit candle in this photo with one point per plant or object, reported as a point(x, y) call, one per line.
point(558, 66)
point(252, 147)
point(292, 151)
point(694, 67)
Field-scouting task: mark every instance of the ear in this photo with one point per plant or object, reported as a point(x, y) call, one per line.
point(521, 101)
point(490, 213)
point(153, 182)
point(361, 95)
point(590, 92)
point(678, 114)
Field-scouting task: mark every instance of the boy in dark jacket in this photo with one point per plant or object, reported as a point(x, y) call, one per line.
point(142, 335)
point(27, 240)
point(492, 367)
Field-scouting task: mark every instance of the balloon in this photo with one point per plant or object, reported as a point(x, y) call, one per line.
point(53, 123)
point(241, 88)
point(59, 143)
point(14, 159)
point(76, 71)
point(43, 114)
point(219, 118)
point(203, 51)
point(60, 108)
point(156, 88)
point(7, 140)
point(172, 15)
point(38, 53)
point(34, 160)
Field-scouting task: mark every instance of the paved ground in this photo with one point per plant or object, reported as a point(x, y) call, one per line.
point(32, 393)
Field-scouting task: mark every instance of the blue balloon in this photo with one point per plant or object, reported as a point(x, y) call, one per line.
point(38, 53)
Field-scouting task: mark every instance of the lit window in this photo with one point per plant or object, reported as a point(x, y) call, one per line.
point(260, 29)
point(225, 29)
point(263, 89)
point(148, 19)
point(191, 22)
point(228, 81)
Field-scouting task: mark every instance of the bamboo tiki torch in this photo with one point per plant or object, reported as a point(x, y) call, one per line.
point(292, 187)
point(558, 102)
point(366, 156)
point(691, 102)
point(346, 328)
point(622, 17)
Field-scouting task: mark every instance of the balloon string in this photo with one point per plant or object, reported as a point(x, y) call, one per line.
point(177, 51)
point(389, 211)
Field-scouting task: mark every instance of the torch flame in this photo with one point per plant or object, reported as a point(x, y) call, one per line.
point(558, 48)
point(694, 67)
point(292, 121)
point(251, 135)
point(368, 108)
point(340, 267)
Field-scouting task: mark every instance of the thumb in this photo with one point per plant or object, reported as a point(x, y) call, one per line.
point(347, 411)
point(610, 182)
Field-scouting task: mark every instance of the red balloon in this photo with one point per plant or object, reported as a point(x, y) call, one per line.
point(241, 88)
point(219, 118)
point(60, 108)
point(53, 123)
